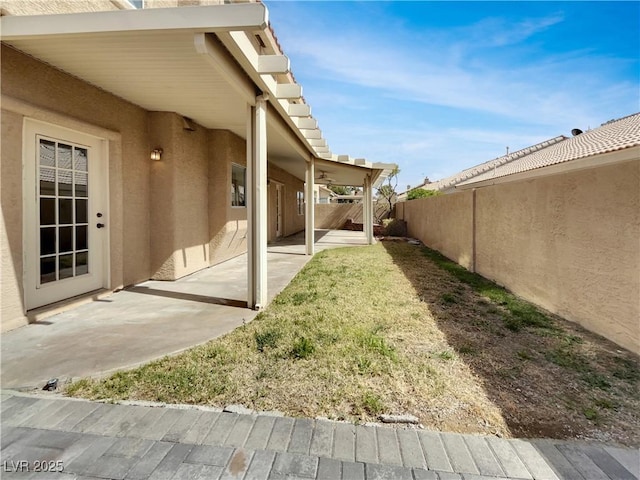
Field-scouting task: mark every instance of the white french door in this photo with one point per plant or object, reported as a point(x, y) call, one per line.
point(65, 217)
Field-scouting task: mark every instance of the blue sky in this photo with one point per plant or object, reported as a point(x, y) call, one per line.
point(437, 87)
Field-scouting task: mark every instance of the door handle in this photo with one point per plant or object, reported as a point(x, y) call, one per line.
point(100, 225)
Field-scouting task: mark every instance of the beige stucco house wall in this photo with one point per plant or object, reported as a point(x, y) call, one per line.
point(568, 242)
point(227, 224)
point(48, 7)
point(165, 219)
point(31, 89)
point(292, 218)
point(179, 197)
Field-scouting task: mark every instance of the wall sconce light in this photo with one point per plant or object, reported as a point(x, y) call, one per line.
point(156, 154)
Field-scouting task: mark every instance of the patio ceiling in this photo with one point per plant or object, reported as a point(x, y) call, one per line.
point(196, 61)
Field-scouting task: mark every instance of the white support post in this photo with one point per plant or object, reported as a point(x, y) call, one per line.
point(371, 216)
point(368, 198)
point(309, 228)
point(370, 219)
point(256, 199)
point(365, 207)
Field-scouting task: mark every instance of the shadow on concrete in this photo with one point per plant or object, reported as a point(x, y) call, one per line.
point(146, 321)
point(323, 239)
point(299, 238)
point(188, 296)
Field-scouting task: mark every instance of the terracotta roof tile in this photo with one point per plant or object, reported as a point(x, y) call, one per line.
point(488, 167)
point(609, 137)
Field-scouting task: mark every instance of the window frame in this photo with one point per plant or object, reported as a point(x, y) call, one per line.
point(234, 195)
point(300, 201)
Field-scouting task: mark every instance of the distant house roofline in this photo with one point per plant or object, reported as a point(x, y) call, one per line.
point(471, 172)
point(614, 141)
point(612, 136)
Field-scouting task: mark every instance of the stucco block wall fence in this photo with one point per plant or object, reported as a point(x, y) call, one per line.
point(568, 242)
point(335, 215)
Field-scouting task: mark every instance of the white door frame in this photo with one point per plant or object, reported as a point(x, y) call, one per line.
point(36, 295)
point(279, 216)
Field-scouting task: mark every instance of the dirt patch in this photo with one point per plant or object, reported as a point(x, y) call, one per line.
point(549, 377)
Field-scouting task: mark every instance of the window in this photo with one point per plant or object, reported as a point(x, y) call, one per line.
point(137, 3)
point(238, 182)
point(300, 198)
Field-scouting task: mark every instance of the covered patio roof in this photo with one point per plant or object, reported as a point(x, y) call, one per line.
point(206, 63)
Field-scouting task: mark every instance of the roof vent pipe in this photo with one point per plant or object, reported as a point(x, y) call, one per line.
point(575, 132)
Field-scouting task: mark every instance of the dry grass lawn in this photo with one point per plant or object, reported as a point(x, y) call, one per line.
point(395, 328)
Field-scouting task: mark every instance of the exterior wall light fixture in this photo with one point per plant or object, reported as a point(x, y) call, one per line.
point(156, 154)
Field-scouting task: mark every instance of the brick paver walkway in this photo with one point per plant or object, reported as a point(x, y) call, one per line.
point(89, 440)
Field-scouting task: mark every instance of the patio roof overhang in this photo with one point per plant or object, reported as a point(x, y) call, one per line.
point(206, 63)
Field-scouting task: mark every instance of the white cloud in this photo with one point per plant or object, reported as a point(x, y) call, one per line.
point(552, 92)
point(499, 32)
point(439, 101)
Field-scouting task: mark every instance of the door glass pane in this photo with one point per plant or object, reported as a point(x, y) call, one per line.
point(66, 239)
point(65, 212)
point(82, 263)
point(63, 202)
point(47, 269)
point(80, 159)
point(47, 211)
point(64, 183)
point(47, 241)
point(81, 184)
point(47, 181)
point(64, 156)
point(65, 266)
point(81, 238)
point(47, 153)
point(81, 211)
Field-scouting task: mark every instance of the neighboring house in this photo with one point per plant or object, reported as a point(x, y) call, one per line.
point(150, 143)
point(559, 226)
point(448, 184)
point(593, 148)
point(322, 194)
point(355, 197)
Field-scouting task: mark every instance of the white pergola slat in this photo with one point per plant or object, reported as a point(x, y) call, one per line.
point(306, 122)
point(288, 91)
point(273, 64)
point(299, 110)
point(309, 134)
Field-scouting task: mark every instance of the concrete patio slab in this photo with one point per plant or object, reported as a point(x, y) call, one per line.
point(151, 319)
